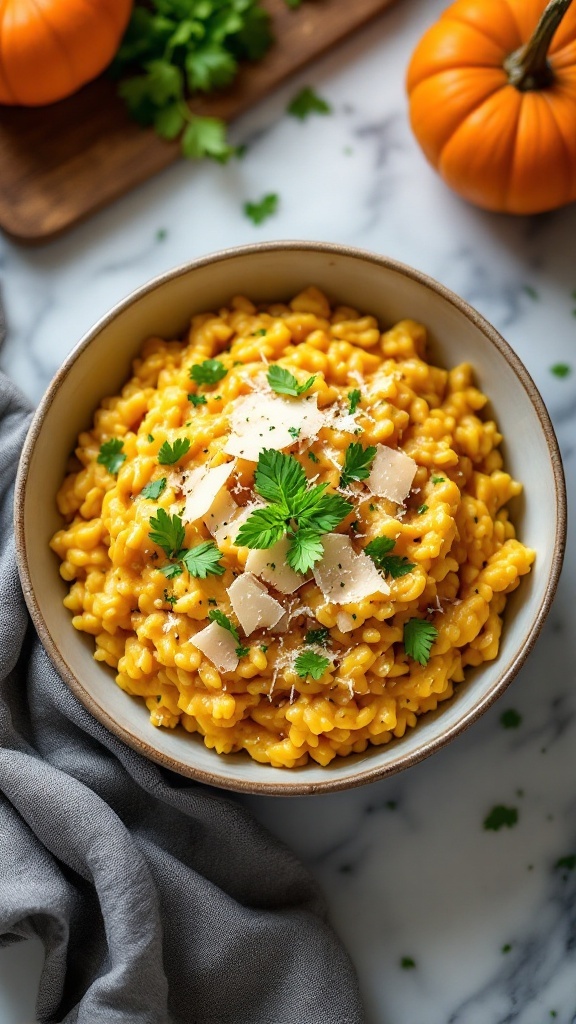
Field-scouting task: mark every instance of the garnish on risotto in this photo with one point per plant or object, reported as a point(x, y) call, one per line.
point(333, 523)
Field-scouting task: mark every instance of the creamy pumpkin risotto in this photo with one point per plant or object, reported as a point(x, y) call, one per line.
point(289, 532)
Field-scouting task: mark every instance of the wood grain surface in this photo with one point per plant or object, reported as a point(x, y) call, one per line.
point(58, 164)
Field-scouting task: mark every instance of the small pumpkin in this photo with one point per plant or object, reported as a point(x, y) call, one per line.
point(50, 48)
point(492, 89)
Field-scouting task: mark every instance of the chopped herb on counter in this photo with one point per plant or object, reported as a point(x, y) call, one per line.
point(260, 211)
point(170, 454)
point(307, 102)
point(161, 234)
point(567, 863)
point(561, 370)
point(510, 719)
point(499, 817)
point(407, 963)
point(154, 489)
point(419, 635)
point(506, 948)
point(308, 663)
point(529, 290)
point(111, 455)
point(208, 372)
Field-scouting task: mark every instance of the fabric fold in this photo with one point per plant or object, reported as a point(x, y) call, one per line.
point(158, 900)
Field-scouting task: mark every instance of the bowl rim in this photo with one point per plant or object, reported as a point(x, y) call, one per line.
point(297, 787)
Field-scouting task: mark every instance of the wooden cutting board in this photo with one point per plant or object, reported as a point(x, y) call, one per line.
point(59, 164)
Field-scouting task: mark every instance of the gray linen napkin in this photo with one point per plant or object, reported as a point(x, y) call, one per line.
point(157, 900)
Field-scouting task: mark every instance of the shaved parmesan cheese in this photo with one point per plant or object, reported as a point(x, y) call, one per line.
point(201, 489)
point(282, 624)
point(221, 512)
point(270, 564)
point(345, 622)
point(343, 576)
point(261, 421)
point(252, 604)
point(218, 645)
point(392, 474)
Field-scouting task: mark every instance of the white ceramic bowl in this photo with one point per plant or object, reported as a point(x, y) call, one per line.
point(100, 364)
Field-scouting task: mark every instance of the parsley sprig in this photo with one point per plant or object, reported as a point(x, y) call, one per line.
point(308, 663)
point(170, 454)
point(208, 372)
point(354, 399)
point(357, 463)
point(215, 615)
point(111, 455)
point(294, 509)
point(393, 565)
point(419, 635)
point(154, 489)
point(259, 211)
point(307, 102)
point(168, 533)
point(284, 383)
point(178, 49)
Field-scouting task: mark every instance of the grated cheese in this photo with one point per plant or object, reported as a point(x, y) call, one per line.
point(344, 576)
point(252, 604)
point(260, 421)
point(271, 566)
point(392, 474)
point(218, 645)
point(201, 487)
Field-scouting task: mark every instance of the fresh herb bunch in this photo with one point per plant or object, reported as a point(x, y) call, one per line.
point(294, 509)
point(176, 49)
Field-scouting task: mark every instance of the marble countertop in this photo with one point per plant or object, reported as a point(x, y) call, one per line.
point(486, 919)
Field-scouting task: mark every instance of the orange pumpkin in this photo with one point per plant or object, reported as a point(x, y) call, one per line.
point(49, 48)
point(492, 89)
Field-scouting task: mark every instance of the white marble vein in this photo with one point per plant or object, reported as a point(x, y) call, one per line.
point(406, 865)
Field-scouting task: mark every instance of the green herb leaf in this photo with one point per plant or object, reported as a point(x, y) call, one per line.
point(407, 963)
point(499, 817)
point(170, 454)
point(437, 479)
point(260, 211)
point(422, 510)
point(111, 455)
point(510, 719)
point(208, 372)
point(561, 370)
point(263, 528)
point(357, 463)
point(419, 635)
point(169, 122)
point(313, 457)
point(567, 863)
point(168, 532)
point(154, 489)
point(206, 136)
point(203, 560)
point(305, 550)
point(279, 478)
point(171, 571)
point(318, 637)
point(322, 512)
point(196, 399)
point(308, 663)
point(354, 399)
point(284, 383)
point(308, 102)
point(241, 652)
point(393, 565)
point(294, 432)
point(209, 67)
point(215, 615)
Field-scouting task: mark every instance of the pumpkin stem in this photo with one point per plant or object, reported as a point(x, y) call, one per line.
point(528, 67)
